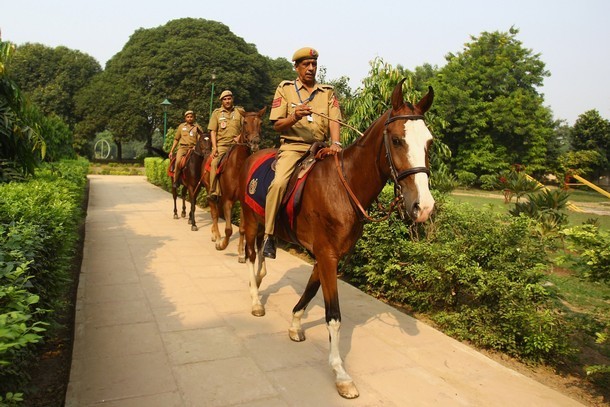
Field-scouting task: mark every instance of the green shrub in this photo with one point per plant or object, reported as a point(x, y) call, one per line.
point(589, 252)
point(477, 274)
point(466, 178)
point(39, 222)
point(489, 182)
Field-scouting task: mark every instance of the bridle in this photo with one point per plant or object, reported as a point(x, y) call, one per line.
point(246, 140)
point(396, 176)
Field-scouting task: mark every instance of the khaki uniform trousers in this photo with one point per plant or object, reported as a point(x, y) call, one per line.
point(182, 150)
point(214, 184)
point(288, 156)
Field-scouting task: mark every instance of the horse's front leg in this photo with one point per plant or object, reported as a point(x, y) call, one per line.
point(175, 196)
point(227, 207)
point(214, 214)
point(328, 277)
point(252, 248)
point(193, 196)
point(183, 202)
point(241, 254)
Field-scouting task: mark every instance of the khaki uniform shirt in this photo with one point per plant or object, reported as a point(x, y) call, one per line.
point(312, 128)
point(226, 124)
point(187, 134)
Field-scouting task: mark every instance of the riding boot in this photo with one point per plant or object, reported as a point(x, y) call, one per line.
point(269, 247)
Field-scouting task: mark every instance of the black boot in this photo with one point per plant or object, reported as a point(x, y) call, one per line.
point(269, 247)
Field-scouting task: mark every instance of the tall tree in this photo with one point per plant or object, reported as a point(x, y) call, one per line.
point(489, 96)
point(51, 77)
point(177, 61)
point(592, 132)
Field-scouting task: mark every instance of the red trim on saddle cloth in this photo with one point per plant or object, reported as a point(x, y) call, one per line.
point(170, 168)
point(248, 200)
point(294, 199)
point(208, 164)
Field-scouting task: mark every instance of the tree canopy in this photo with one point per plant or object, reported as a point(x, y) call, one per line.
point(51, 77)
point(488, 94)
point(176, 61)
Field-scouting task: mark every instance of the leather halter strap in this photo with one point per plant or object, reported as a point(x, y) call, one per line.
point(397, 176)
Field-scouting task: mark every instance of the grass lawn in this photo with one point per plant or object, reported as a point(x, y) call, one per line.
point(494, 200)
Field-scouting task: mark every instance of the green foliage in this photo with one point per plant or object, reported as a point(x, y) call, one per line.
point(517, 184)
point(477, 274)
point(591, 132)
point(21, 146)
point(590, 252)
point(465, 178)
point(547, 207)
point(488, 94)
point(125, 98)
point(489, 182)
point(39, 222)
point(156, 172)
point(51, 77)
point(583, 162)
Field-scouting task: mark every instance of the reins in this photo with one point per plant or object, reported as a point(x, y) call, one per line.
point(396, 176)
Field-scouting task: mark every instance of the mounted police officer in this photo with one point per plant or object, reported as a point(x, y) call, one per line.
point(293, 115)
point(224, 126)
point(186, 138)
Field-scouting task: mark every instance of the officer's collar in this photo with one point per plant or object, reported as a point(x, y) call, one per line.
point(316, 86)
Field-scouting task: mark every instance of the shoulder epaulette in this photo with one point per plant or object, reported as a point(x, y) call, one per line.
point(325, 86)
point(284, 83)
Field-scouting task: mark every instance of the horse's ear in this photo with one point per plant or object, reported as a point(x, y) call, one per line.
point(262, 111)
point(424, 104)
point(397, 97)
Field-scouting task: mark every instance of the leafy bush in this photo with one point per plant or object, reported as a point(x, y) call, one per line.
point(477, 274)
point(517, 184)
point(489, 182)
point(465, 178)
point(39, 222)
point(590, 252)
point(547, 207)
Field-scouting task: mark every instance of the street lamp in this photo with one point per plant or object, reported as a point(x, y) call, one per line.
point(165, 105)
point(212, 94)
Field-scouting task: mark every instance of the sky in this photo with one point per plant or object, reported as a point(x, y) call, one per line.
point(570, 37)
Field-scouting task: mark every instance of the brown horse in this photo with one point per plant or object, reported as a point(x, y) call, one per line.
point(247, 143)
point(190, 177)
point(328, 222)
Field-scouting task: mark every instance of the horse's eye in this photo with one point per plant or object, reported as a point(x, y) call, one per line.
point(396, 141)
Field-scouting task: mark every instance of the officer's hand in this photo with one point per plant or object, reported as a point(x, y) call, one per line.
point(335, 148)
point(302, 111)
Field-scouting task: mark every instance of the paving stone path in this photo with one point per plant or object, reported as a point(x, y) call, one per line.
point(163, 319)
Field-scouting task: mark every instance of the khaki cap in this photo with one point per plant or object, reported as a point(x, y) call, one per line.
point(225, 93)
point(189, 112)
point(305, 53)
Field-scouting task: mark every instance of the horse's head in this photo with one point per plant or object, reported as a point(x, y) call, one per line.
point(251, 129)
point(204, 145)
point(407, 140)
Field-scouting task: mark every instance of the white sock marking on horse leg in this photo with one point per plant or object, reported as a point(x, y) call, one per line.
point(334, 358)
point(296, 320)
point(253, 284)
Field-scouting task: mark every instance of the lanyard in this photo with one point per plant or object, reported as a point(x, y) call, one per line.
point(309, 99)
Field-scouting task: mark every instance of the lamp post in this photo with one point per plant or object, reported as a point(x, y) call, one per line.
point(165, 105)
point(212, 94)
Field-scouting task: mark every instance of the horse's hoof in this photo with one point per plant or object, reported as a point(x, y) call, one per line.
point(176, 216)
point(258, 310)
point(183, 214)
point(241, 259)
point(190, 221)
point(214, 238)
point(194, 228)
point(347, 390)
point(297, 335)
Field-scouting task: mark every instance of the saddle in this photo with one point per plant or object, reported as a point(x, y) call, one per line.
point(221, 163)
point(262, 173)
point(171, 168)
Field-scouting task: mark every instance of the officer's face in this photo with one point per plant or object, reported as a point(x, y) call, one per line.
point(306, 69)
point(189, 118)
point(227, 102)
